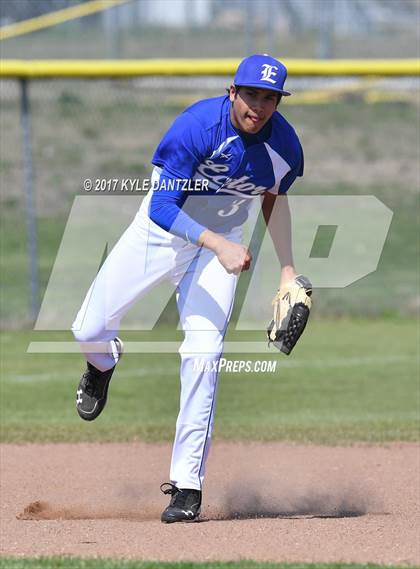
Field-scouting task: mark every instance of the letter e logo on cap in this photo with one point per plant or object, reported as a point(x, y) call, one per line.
point(268, 72)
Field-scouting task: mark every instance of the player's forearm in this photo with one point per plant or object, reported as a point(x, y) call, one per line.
point(211, 240)
point(277, 216)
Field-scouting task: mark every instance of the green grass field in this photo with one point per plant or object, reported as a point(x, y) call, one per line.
point(347, 381)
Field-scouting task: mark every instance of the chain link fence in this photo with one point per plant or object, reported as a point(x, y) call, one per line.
point(108, 129)
point(220, 28)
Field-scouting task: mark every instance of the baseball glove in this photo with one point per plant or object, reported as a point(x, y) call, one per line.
point(292, 305)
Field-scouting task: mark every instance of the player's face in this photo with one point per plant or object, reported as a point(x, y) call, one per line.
point(251, 108)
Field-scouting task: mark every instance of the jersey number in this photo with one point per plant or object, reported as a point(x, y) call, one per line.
point(233, 209)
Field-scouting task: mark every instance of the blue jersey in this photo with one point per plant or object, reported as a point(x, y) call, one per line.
point(229, 167)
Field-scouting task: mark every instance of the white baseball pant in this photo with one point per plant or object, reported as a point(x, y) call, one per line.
point(144, 256)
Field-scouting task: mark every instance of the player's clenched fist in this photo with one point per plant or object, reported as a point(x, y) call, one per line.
point(233, 256)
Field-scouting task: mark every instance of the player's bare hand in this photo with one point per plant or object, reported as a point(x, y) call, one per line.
point(248, 261)
point(234, 257)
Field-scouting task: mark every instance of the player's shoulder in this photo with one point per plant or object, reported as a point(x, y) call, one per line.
point(209, 112)
point(284, 139)
point(282, 129)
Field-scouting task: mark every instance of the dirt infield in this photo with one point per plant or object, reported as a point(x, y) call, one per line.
point(273, 502)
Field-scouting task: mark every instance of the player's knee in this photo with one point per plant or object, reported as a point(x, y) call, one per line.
point(85, 334)
point(204, 343)
point(80, 336)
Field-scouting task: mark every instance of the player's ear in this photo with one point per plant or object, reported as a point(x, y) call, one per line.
point(232, 93)
point(279, 96)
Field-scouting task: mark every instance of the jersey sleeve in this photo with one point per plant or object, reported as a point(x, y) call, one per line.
point(165, 210)
point(183, 147)
point(291, 176)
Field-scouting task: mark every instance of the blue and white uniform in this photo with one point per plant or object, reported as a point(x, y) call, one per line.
point(202, 144)
point(233, 168)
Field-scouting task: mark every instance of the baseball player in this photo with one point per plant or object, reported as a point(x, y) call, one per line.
point(234, 148)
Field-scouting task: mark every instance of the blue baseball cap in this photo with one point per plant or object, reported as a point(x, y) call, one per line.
point(262, 71)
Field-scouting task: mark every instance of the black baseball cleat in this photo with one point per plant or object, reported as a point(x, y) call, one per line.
point(184, 506)
point(92, 391)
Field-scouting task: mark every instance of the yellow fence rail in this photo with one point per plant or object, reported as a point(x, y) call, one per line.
point(57, 17)
point(94, 69)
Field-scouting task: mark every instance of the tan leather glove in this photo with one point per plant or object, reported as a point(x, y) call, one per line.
point(292, 305)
